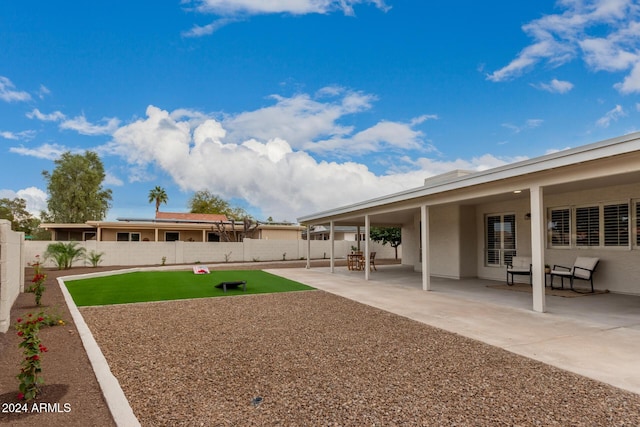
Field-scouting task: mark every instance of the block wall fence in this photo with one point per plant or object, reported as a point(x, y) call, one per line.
point(11, 270)
point(152, 253)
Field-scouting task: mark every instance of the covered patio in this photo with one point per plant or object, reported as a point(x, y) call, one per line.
point(597, 336)
point(582, 202)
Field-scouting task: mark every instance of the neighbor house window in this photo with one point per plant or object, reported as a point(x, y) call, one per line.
point(616, 224)
point(588, 226)
point(213, 237)
point(171, 236)
point(500, 239)
point(127, 237)
point(559, 227)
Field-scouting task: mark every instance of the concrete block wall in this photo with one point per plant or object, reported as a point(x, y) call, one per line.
point(152, 253)
point(11, 271)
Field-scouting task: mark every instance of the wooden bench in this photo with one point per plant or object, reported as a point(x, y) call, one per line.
point(232, 285)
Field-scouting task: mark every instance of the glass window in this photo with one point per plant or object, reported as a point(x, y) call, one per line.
point(616, 225)
point(500, 239)
point(588, 226)
point(171, 236)
point(638, 223)
point(122, 237)
point(559, 227)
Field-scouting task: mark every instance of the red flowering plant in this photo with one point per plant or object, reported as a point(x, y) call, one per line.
point(30, 374)
point(37, 283)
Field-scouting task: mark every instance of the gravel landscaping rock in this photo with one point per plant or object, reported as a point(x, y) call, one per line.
point(302, 358)
point(318, 359)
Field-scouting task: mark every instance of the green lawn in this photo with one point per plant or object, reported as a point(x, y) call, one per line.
point(172, 285)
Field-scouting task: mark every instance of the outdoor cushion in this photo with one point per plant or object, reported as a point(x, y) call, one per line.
point(583, 269)
point(519, 265)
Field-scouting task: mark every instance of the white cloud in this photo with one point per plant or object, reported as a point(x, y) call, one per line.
point(294, 7)
point(111, 179)
point(268, 173)
point(25, 135)
point(555, 86)
point(8, 94)
point(35, 198)
point(82, 126)
point(313, 124)
point(604, 33)
point(43, 91)
point(205, 30)
point(529, 124)
point(51, 117)
point(611, 116)
point(389, 134)
point(45, 151)
point(233, 10)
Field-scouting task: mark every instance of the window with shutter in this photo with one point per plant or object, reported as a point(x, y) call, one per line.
point(616, 225)
point(588, 226)
point(638, 223)
point(500, 239)
point(559, 227)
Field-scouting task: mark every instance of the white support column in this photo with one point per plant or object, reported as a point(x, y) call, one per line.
point(308, 247)
point(538, 229)
point(424, 239)
point(367, 261)
point(332, 236)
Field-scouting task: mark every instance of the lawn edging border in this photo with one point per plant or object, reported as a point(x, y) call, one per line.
point(117, 402)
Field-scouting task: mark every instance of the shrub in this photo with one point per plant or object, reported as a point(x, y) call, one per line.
point(95, 258)
point(30, 372)
point(64, 254)
point(29, 375)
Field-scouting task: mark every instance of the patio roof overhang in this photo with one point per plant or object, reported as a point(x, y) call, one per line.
point(611, 162)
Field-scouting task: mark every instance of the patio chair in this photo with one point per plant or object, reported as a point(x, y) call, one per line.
point(372, 261)
point(583, 269)
point(519, 265)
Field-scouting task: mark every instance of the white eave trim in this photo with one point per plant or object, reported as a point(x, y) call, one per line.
point(599, 150)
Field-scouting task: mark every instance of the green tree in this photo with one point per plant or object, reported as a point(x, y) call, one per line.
point(159, 196)
point(15, 210)
point(384, 235)
point(75, 189)
point(208, 203)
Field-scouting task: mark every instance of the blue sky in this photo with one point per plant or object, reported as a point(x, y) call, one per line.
point(289, 107)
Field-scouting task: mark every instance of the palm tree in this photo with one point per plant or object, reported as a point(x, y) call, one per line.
point(159, 196)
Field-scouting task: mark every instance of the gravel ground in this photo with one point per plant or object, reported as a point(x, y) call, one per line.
point(314, 359)
point(319, 359)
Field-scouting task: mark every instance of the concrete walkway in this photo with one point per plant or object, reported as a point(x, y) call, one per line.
point(596, 336)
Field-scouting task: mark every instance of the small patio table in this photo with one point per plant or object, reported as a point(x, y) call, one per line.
point(355, 261)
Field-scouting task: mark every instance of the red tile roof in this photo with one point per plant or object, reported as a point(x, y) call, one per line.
point(181, 216)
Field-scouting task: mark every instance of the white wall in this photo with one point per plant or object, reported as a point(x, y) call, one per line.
point(619, 267)
point(11, 271)
point(151, 253)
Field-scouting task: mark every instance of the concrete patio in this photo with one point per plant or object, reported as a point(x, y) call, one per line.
point(597, 336)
